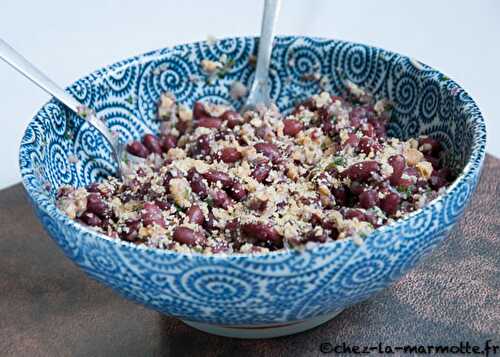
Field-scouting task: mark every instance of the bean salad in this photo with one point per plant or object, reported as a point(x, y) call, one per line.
point(215, 181)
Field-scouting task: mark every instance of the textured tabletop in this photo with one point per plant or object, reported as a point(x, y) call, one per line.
point(48, 307)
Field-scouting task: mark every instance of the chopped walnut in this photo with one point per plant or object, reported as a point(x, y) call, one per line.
point(180, 191)
point(413, 156)
point(424, 168)
point(210, 66)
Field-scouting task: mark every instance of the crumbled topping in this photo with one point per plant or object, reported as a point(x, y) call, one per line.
point(210, 66)
point(215, 181)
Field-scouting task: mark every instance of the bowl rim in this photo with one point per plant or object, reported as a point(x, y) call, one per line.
point(471, 169)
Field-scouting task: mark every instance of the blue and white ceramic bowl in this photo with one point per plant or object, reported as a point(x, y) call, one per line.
point(250, 295)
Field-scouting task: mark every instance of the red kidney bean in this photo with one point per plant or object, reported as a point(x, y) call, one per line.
point(411, 171)
point(356, 116)
point(354, 213)
point(232, 118)
point(93, 187)
point(91, 219)
point(357, 188)
point(307, 104)
point(292, 127)
point(445, 173)
point(330, 225)
point(366, 145)
point(389, 204)
point(372, 219)
point(264, 132)
point(187, 236)
point(237, 191)
point(138, 149)
point(230, 155)
point(379, 127)
point(337, 97)
point(197, 185)
point(327, 126)
point(268, 150)
point(261, 232)
point(422, 184)
point(368, 130)
point(218, 176)
point(166, 181)
point(133, 230)
point(429, 146)
point(209, 223)
point(261, 172)
point(403, 182)
point(167, 142)
point(140, 172)
point(257, 205)
point(222, 134)
point(220, 247)
point(96, 205)
point(199, 110)
point(311, 236)
point(203, 145)
point(352, 140)
point(233, 227)
point(182, 126)
point(398, 164)
point(151, 142)
point(315, 220)
point(195, 215)
point(436, 181)
point(151, 214)
point(436, 165)
point(208, 122)
point(163, 204)
point(361, 171)
point(334, 233)
point(341, 195)
point(221, 199)
point(368, 199)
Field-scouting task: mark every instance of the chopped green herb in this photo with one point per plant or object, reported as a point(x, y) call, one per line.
point(407, 191)
point(337, 161)
point(226, 67)
point(129, 99)
point(178, 208)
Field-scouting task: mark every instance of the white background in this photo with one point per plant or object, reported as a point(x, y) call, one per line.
point(68, 39)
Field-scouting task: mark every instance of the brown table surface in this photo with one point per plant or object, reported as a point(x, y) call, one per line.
point(48, 307)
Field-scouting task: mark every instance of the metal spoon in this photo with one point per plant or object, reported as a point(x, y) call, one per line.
point(260, 91)
point(23, 66)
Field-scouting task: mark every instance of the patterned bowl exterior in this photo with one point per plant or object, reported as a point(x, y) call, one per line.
point(250, 289)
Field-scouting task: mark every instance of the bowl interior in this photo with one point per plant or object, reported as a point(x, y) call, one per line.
point(59, 148)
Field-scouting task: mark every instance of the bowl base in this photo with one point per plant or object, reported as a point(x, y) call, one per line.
point(262, 331)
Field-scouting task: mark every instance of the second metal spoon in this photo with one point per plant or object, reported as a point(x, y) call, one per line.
point(260, 91)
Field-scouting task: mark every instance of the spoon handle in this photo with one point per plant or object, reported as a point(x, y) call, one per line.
point(23, 66)
point(271, 9)
point(259, 92)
